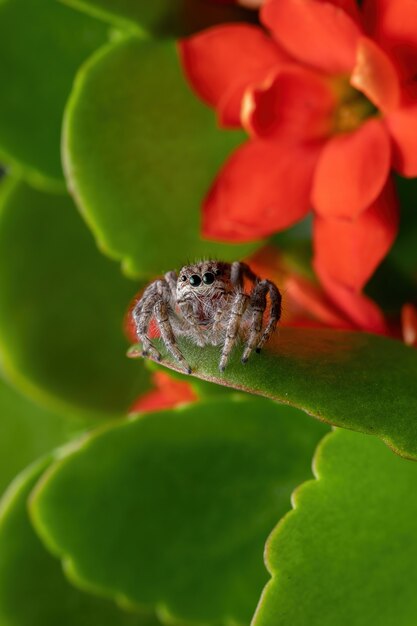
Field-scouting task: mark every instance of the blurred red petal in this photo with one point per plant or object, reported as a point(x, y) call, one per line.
point(402, 125)
point(409, 324)
point(295, 104)
point(269, 263)
point(303, 296)
point(375, 75)
point(250, 4)
point(352, 170)
point(393, 24)
point(319, 34)
point(363, 312)
point(348, 6)
point(221, 62)
point(348, 251)
point(264, 187)
point(168, 393)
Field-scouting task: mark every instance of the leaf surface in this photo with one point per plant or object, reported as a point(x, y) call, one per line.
point(40, 56)
point(354, 380)
point(347, 554)
point(172, 509)
point(33, 588)
point(62, 307)
point(172, 18)
point(27, 431)
point(141, 152)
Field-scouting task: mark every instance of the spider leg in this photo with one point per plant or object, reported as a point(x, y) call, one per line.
point(171, 278)
point(188, 315)
point(239, 271)
point(167, 334)
point(142, 314)
point(159, 290)
point(257, 306)
point(239, 305)
point(275, 313)
point(217, 319)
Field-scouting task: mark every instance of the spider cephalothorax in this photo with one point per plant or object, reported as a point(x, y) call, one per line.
point(207, 302)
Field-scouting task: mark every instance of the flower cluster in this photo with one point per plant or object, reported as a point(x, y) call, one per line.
point(327, 92)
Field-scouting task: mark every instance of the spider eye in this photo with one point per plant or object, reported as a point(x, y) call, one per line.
point(183, 277)
point(218, 272)
point(195, 280)
point(208, 278)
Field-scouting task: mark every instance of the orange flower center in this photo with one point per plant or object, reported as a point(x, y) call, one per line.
point(353, 108)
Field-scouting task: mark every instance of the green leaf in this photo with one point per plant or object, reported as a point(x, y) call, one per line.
point(28, 431)
point(347, 554)
point(42, 44)
point(62, 307)
point(351, 379)
point(141, 152)
point(163, 17)
point(33, 588)
point(172, 509)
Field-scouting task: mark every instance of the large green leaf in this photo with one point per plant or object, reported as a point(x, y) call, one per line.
point(347, 554)
point(141, 152)
point(62, 306)
point(33, 588)
point(351, 379)
point(172, 509)
point(27, 431)
point(42, 44)
point(163, 17)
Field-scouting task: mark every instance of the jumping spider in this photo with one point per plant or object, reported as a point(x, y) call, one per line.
point(207, 303)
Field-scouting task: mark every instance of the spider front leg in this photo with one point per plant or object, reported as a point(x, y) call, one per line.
point(167, 334)
point(239, 271)
point(171, 279)
point(256, 339)
point(142, 315)
point(239, 305)
point(188, 315)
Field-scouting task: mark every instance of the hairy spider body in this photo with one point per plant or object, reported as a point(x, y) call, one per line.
point(207, 303)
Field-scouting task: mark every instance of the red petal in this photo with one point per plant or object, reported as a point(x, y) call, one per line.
point(352, 170)
point(348, 6)
point(263, 188)
point(375, 75)
point(317, 33)
point(221, 62)
point(402, 124)
point(167, 394)
point(296, 104)
point(409, 324)
point(393, 24)
point(250, 4)
point(349, 251)
point(363, 313)
point(304, 297)
point(268, 262)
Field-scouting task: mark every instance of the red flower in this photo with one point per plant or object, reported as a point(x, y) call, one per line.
point(409, 324)
point(166, 394)
point(308, 304)
point(329, 99)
